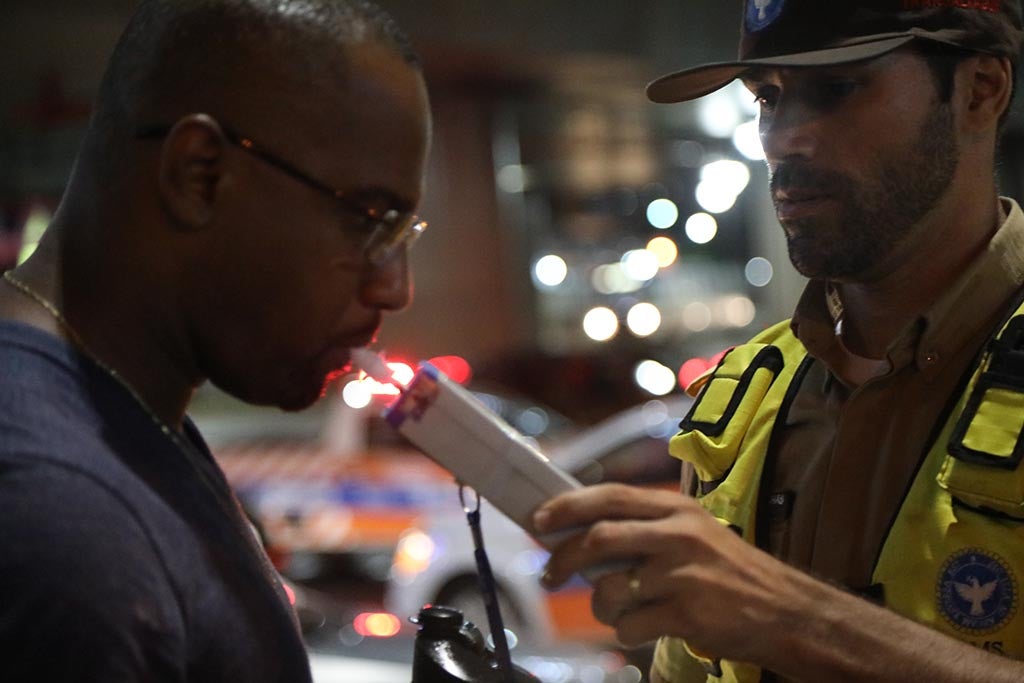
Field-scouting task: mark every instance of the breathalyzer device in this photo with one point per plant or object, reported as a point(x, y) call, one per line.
point(456, 430)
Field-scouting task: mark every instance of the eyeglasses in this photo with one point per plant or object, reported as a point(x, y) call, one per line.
point(390, 231)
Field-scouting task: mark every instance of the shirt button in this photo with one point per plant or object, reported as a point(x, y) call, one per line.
point(931, 357)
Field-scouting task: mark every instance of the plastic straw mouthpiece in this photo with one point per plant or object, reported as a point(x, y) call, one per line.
point(373, 365)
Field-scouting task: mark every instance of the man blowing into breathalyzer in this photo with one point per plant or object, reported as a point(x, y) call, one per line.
point(858, 492)
point(239, 211)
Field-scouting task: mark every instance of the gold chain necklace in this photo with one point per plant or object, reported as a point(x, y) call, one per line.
point(182, 444)
point(76, 340)
point(221, 493)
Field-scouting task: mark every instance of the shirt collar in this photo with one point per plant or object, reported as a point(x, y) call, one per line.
point(979, 295)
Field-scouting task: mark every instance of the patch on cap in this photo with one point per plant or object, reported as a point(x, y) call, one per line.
point(762, 13)
point(977, 591)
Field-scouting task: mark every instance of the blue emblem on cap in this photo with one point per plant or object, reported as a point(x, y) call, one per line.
point(762, 13)
point(977, 591)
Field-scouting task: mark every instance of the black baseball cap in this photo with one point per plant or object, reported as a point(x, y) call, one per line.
point(794, 33)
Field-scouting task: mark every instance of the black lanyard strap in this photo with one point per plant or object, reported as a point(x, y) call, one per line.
point(487, 585)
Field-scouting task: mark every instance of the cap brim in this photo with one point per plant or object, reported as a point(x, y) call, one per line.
point(699, 81)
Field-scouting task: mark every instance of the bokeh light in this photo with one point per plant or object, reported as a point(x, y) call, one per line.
point(747, 140)
point(655, 378)
point(456, 368)
point(413, 553)
point(600, 324)
point(721, 183)
point(701, 228)
point(665, 250)
point(718, 114)
point(377, 624)
point(612, 279)
point(643, 319)
point(697, 316)
point(550, 270)
point(640, 264)
point(512, 179)
point(357, 394)
point(739, 311)
point(759, 271)
point(662, 213)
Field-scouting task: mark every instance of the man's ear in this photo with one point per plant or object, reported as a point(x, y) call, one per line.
point(988, 82)
point(191, 168)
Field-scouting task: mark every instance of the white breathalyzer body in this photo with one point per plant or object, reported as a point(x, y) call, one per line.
point(456, 430)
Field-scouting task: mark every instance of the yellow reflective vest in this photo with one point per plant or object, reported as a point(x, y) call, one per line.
point(954, 557)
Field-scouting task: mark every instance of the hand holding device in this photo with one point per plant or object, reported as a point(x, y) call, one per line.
point(462, 435)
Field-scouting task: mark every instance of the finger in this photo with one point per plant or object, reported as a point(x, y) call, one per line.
point(603, 543)
point(618, 592)
point(605, 501)
point(649, 622)
point(613, 541)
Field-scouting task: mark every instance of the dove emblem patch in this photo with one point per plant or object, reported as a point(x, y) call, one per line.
point(977, 591)
point(762, 13)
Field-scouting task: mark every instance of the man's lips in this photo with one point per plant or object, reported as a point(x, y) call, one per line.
point(796, 203)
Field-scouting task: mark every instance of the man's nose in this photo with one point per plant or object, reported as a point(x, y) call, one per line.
point(793, 131)
point(388, 286)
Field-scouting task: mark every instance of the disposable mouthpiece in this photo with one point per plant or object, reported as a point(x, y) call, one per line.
point(373, 365)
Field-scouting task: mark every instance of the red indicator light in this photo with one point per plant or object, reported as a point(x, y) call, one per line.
point(455, 367)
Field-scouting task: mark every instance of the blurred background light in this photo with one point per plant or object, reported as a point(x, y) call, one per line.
point(733, 176)
point(701, 228)
point(455, 368)
point(550, 270)
point(413, 553)
point(718, 114)
point(356, 394)
point(662, 213)
point(643, 319)
point(697, 316)
point(640, 264)
point(738, 311)
point(612, 279)
point(600, 324)
point(655, 378)
point(691, 370)
point(686, 153)
point(512, 179)
point(377, 624)
point(605, 278)
point(665, 250)
point(402, 372)
point(533, 421)
point(759, 271)
point(713, 197)
point(721, 183)
point(747, 140)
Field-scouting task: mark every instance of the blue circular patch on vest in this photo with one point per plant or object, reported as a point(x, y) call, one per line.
point(762, 13)
point(977, 591)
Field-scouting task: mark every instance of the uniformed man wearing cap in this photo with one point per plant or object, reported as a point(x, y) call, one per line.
point(858, 507)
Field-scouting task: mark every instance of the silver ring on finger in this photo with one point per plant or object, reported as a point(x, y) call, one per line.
point(633, 584)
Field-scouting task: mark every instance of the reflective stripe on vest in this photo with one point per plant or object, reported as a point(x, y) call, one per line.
point(954, 556)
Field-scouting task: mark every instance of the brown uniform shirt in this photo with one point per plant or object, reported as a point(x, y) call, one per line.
point(848, 455)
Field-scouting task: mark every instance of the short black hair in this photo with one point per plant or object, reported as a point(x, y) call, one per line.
point(179, 56)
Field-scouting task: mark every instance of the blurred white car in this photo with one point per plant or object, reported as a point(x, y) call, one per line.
point(332, 490)
point(434, 562)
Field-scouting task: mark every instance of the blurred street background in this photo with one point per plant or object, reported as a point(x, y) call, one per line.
point(588, 253)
